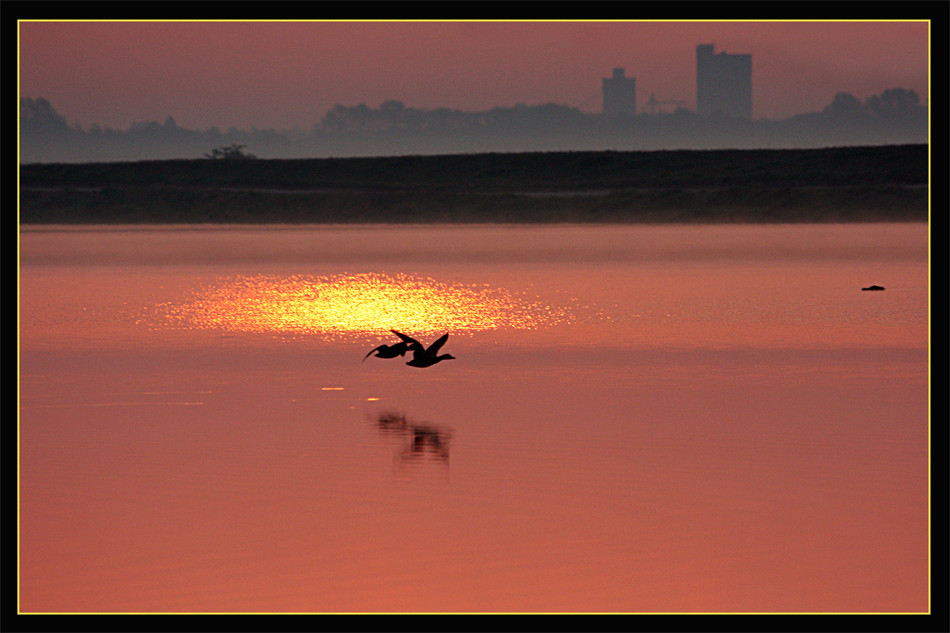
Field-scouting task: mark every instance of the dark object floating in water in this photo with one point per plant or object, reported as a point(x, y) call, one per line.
point(873, 288)
point(425, 356)
point(389, 351)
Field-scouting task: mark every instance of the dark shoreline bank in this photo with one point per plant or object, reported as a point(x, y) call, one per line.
point(850, 184)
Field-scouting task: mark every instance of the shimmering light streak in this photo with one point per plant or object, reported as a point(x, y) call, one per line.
point(342, 305)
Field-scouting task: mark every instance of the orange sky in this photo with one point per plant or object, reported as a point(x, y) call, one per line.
point(286, 75)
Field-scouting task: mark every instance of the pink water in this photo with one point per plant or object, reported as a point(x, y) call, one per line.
point(638, 419)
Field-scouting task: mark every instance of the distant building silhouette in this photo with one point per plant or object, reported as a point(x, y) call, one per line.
point(620, 94)
point(723, 83)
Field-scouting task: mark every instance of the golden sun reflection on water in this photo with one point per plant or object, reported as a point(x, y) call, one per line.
point(342, 305)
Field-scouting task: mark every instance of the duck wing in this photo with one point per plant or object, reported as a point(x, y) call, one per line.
point(372, 351)
point(433, 349)
point(408, 340)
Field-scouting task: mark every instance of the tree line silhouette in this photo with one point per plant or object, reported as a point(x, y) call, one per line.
point(895, 116)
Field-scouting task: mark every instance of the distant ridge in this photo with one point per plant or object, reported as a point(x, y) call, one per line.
point(885, 183)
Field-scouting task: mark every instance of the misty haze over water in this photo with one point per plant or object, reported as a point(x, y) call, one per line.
point(892, 117)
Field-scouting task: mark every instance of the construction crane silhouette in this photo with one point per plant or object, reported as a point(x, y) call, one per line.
point(653, 103)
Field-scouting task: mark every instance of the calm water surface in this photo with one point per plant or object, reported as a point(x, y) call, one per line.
point(638, 419)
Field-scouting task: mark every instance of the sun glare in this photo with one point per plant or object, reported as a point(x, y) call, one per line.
point(356, 304)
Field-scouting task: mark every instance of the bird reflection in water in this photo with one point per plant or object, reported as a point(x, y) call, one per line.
point(419, 442)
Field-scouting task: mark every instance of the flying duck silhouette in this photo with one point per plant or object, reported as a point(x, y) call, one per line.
point(425, 356)
point(389, 351)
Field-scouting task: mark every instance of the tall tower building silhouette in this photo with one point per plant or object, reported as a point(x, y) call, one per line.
point(723, 83)
point(620, 94)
